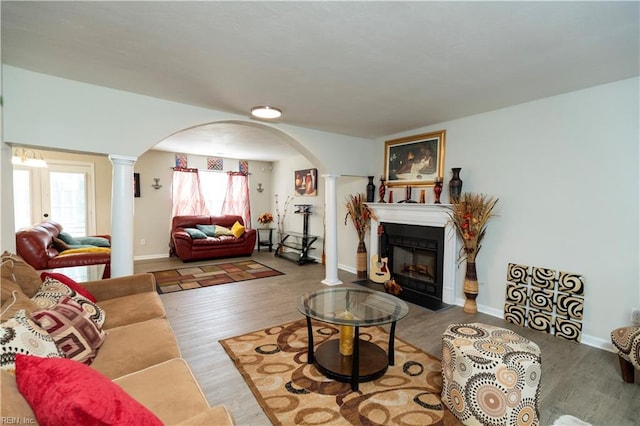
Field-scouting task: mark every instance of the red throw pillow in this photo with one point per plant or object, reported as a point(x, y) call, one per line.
point(69, 283)
point(61, 391)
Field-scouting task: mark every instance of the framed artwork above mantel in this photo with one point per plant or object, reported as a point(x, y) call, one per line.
point(415, 160)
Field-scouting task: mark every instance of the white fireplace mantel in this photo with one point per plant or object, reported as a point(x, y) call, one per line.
point(435, 215)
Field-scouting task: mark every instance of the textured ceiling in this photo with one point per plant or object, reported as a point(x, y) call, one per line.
point(366, 69)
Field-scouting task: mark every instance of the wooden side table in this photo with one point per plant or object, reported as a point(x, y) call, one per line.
point(264, 242)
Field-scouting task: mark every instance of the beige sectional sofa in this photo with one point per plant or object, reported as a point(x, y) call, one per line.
point(139, 353)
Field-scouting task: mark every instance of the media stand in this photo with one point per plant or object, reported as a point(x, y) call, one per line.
point(295, 246)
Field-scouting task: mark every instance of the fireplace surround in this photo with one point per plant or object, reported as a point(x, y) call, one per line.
point(417, 258)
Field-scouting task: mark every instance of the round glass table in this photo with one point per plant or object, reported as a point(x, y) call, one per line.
point(351, 308)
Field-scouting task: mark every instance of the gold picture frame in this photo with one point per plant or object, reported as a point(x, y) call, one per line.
point(415, 160)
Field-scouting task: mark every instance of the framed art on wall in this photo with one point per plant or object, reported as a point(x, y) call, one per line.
point(306, 182)
point(136, 185)
point(415, 160)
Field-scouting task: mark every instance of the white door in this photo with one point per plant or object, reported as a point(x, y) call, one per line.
point(64, 192)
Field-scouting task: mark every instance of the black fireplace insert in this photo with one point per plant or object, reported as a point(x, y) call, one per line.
point(416, 260)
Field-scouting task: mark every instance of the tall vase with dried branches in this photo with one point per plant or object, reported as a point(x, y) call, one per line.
point(281, 218)
point(361, 216)
point(470, 216)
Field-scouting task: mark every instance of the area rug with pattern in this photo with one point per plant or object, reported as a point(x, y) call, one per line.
point(273, 362)
point(190, 277)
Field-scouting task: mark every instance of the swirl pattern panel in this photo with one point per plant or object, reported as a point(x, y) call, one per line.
point(545, 300)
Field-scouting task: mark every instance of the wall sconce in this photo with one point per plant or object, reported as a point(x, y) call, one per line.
point(27, 157)
point(156, 183)
point(260, 188)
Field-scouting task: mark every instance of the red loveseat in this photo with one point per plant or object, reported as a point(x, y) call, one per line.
point(37, 247)
point(188, 248)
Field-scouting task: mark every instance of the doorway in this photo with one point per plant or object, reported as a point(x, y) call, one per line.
point(64, 192)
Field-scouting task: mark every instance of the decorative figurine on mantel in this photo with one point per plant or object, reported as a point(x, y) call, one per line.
point(382, 190)
point(437, 189)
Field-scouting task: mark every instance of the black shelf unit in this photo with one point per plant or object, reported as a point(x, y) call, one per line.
point(298, 244)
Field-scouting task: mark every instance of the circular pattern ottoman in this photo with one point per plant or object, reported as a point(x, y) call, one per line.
point(490, 375)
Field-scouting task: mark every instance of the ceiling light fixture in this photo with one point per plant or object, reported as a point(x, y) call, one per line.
point(266, 112)
point(27, 157)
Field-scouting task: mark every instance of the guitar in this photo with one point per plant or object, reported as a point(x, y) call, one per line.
point(379, 271)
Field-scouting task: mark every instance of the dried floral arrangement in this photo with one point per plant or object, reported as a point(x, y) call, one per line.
point(282, 218)
point(470, 216)
point(360, 214)
point(265, 218)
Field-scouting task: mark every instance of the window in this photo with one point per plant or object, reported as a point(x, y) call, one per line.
point(214, 189)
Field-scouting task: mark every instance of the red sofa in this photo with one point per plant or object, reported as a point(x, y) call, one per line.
point(37, 247)
point(187, 248)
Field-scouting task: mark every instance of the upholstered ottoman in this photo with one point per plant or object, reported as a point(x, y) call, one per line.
point(490, 375)
point(627, 342)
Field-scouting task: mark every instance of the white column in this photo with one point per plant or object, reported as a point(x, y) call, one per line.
point(122, 215)
point(331, 231)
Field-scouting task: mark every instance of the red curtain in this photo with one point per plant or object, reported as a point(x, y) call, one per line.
point(236, 201)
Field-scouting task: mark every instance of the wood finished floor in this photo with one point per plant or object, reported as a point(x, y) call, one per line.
point(579, 380)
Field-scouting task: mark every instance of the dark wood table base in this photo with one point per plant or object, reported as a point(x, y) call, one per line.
point(373, 362)
point(368, 359)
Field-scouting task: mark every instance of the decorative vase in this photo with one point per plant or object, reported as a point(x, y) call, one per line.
point(361, 261)
point(390, 197)
point(347, 333)
point(371, 190)
point(455, 185)
point(470, 289)
point(437, 190)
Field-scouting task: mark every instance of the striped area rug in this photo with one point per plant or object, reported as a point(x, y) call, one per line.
point(191, 277)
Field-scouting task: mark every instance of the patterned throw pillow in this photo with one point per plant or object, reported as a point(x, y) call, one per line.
point(75, 335)
point(21, 335)
point(69, 282)
point(51, 291)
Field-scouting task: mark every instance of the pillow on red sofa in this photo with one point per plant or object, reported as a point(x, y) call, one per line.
point(208, 230)
point(76, 336)
point(61, 391)
point(69, 282)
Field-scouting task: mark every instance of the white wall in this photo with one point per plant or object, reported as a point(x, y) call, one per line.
point(565, 170)
point(47, 111)
point(283, 187)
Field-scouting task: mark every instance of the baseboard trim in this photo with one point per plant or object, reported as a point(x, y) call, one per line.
point(150, 257)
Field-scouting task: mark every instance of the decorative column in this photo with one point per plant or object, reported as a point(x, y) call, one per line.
point(331, 231)
point(122, 215)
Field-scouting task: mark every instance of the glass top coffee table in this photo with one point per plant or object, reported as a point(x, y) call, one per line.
point(351, 308)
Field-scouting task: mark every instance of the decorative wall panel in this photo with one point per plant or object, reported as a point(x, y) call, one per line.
point(545, 300)
point(215, 163)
